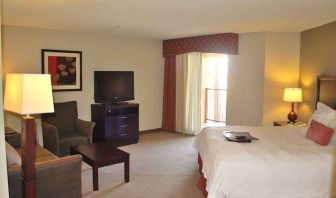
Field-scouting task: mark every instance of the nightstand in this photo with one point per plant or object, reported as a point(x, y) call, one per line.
point(286, 123)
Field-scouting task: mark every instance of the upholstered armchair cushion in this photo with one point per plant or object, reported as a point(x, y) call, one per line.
point(66, 115)
point(63, 129)
point(71, 138)
point(85, 128)
point(51, 139)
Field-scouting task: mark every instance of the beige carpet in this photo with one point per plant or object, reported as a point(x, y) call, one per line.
point(162, 165)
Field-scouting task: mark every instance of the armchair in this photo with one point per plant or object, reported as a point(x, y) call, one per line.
point(55, 177)
point(63, 129)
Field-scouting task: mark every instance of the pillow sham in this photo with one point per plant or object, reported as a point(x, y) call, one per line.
point(319, 133)
point(326, 116)
point(324, 108)
point(12, 156)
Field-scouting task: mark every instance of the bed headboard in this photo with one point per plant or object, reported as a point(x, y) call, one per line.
point(326, 90)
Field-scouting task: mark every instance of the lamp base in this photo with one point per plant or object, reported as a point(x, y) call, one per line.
point(292, 116)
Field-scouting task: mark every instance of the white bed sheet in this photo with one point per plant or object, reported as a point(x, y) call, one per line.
point(282, 163)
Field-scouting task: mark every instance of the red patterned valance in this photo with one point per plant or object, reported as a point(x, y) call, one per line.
point(225, 43)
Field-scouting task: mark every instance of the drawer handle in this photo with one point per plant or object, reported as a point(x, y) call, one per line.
point(123, 126)
point(123, 117)
point(123, 134)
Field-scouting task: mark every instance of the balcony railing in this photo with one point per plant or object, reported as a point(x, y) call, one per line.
point(215, 105)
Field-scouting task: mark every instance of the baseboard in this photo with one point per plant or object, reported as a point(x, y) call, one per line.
point(150, 131)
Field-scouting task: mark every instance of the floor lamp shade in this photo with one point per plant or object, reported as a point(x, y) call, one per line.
point(28, 94)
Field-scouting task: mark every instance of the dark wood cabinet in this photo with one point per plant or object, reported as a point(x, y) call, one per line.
point(117, 124)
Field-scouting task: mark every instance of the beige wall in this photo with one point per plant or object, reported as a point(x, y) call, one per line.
point(282, 64)
point(22, 53)
point(265, 65)
point(246, 81)
point(3, 164)
point(318, 55)
point(318, 47)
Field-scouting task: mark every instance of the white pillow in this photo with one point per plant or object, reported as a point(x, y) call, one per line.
point(326, 116)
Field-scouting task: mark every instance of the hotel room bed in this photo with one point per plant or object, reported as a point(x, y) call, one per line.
point(282, 163)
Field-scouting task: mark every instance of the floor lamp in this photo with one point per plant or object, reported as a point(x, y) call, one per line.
point(27, 94)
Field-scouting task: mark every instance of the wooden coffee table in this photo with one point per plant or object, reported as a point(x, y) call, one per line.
point(102, 154)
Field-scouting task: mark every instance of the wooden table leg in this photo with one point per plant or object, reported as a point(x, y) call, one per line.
point(95, 177)
point(126, 170)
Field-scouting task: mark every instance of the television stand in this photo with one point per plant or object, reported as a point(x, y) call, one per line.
point(117, 124)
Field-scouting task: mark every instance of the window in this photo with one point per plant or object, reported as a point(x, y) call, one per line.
point(214, 87)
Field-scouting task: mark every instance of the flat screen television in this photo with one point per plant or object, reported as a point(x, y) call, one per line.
point(113, 86)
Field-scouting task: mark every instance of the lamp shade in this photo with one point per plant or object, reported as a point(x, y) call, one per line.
point(28, 94)
point(293, 95)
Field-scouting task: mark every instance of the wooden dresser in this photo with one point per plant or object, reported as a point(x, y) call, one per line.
point(117, 124)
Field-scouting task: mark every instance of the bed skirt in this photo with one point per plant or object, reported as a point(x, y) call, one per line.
point(202, 181)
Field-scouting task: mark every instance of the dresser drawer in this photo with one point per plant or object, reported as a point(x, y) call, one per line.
point(123, 111)
point(122, 121)
point(121, 126)
point(123, 132)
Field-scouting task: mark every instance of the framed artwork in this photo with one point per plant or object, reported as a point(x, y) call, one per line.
point(64, 67)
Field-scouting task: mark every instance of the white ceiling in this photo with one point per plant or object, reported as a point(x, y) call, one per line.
point(163, 19)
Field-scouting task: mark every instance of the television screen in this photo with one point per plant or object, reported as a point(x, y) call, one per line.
point(113, 86)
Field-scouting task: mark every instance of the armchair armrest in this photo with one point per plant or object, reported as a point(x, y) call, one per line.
point(60, 177)
point(50, 138)
point(86, 128)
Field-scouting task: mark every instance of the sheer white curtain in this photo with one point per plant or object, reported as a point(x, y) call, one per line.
point(188, 93)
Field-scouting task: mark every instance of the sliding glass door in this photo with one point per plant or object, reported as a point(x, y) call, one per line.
point(214, 87)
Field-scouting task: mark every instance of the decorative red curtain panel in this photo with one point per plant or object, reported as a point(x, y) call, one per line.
point(225, 43)
point(169, 94)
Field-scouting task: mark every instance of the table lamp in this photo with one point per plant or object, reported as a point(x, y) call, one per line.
point(292, 95)
point(27, 94)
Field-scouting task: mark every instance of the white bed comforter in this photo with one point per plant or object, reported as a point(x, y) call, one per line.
point(282, 163)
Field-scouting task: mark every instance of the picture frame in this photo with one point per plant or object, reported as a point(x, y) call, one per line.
point(64, 67)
